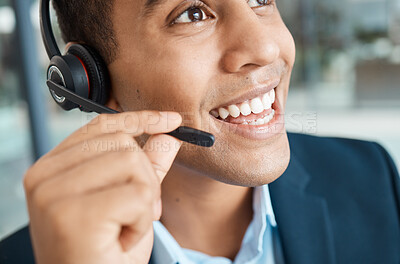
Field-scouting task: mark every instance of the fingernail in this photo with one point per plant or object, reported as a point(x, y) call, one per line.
point(170, 115)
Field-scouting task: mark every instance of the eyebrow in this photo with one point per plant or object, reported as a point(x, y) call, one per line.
point(150, 5)
point(152, 2)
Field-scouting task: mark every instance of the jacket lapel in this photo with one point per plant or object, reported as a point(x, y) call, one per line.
point(302, 218)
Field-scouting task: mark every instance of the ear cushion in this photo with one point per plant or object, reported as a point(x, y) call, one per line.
point(97, 72)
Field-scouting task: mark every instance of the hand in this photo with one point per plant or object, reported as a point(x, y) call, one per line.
point(93, 198)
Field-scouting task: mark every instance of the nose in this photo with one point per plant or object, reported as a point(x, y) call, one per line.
point(249, 41)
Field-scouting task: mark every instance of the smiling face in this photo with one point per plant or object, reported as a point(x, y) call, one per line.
point(221, 64)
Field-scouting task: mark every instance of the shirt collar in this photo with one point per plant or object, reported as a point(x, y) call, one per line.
point(253, 241)
point(167, 250)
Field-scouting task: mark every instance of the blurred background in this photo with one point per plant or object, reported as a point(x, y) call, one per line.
point(346, 83)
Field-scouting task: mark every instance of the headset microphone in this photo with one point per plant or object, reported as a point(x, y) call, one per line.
point(79, 79)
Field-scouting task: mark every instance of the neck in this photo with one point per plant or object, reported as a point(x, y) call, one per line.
point(204, 214)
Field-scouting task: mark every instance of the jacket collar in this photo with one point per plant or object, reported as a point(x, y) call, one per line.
point(302, 217)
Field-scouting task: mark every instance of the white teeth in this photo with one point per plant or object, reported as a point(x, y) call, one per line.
point(234, 111)
point(272, 95)
point(268, 118)
point(266, 100)
point(215, 113)
point(245, 109)
point(223, 113)
point(256, 105)
point(260, 122)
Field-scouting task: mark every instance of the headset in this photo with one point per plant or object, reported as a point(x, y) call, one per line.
point(80, 79)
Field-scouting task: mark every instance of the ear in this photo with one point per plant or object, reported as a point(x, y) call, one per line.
point(69, 44)
point(113, 103)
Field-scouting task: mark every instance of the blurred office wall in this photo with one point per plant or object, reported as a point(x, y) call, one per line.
point(346, 83)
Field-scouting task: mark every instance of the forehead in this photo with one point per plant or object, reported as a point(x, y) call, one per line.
point(151, 5)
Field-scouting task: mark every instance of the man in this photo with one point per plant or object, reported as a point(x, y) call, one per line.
point(225, 67)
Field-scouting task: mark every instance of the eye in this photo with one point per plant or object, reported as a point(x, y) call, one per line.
point(258, 3)
point(194, 13)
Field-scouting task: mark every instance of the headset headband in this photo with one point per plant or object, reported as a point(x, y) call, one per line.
point(47, 32)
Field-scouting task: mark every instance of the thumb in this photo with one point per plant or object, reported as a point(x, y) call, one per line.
point(161, 150)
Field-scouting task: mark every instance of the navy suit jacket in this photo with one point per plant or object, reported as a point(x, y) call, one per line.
point(337, 202)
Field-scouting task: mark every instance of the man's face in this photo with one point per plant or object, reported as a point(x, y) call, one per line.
point(195, 57)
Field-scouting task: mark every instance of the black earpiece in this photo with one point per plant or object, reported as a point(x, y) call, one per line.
point(82, 71)
point(80, 79)
point(96, 70)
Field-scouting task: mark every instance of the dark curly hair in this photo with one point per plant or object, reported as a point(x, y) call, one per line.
point(88, 22)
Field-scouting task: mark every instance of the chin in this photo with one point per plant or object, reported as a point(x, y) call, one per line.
point(237, 165)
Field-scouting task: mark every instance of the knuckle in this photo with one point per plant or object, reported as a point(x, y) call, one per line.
point(130, 120)
point(39, 199)
point(28, 181)
point(99, 119)
point(124, 138)
point(145, 193)
point(150, 117)
point(96, 121)
point(30, 178)
point(102, 118)
point(150, 113)
point(107, 123)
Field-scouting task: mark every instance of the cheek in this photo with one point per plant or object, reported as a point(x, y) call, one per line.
point(287, 44)
point(287, 54)
point(179, 76)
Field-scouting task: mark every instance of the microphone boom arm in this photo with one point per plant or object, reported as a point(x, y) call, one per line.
point(187, 134)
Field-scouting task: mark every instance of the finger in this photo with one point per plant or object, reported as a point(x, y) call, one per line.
point(161, 151)
point(97, 174)
point(132, 123)
point(78, 154)
point(127, 244)
point(129, 206)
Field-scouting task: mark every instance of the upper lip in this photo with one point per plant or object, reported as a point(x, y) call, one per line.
point(253, 92)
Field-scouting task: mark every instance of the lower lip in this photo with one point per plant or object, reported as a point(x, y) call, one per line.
point(260, 132)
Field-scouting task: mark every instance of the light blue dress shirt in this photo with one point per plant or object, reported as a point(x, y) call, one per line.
point(256, 246)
